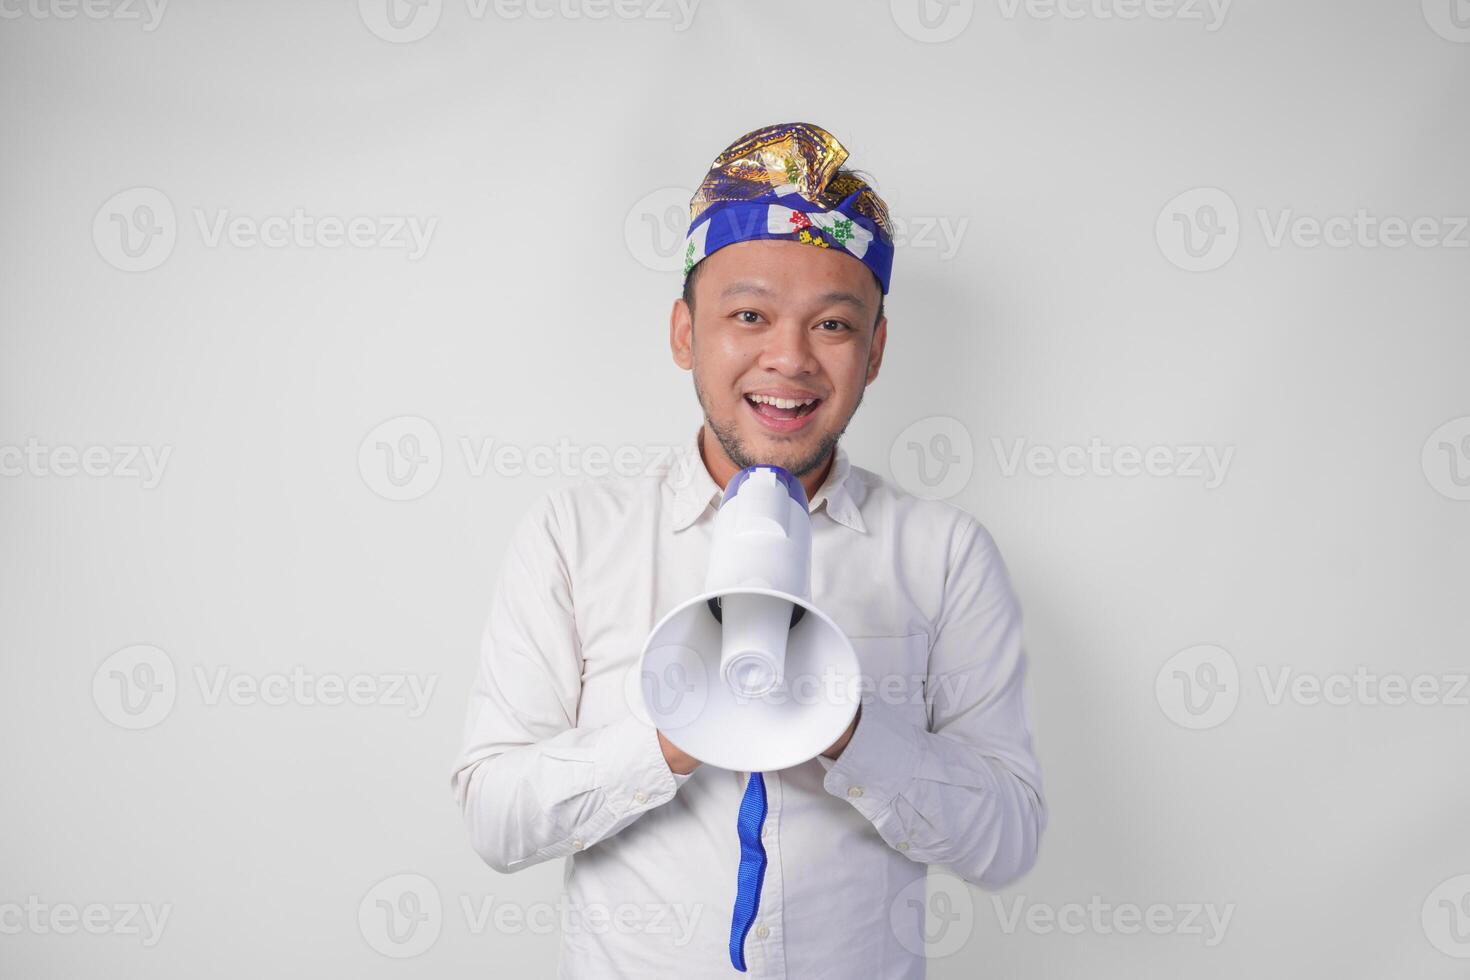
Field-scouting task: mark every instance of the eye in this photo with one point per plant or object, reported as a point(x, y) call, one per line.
point(841, 325)
point(741, 314)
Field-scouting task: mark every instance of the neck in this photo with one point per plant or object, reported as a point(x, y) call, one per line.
point(722, 468)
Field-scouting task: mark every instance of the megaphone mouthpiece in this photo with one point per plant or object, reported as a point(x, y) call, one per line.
point(753, 642)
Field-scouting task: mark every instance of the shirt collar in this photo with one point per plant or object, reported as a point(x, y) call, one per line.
point(695, 490)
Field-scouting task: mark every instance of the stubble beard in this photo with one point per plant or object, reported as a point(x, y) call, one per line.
point(729, 438)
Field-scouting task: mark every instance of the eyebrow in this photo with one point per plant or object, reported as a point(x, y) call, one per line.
point(826, 299)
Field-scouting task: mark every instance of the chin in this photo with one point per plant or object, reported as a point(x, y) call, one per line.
point(793, 452)
point(750, 442)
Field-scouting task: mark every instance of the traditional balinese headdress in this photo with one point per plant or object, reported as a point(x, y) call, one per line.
point(785, 181)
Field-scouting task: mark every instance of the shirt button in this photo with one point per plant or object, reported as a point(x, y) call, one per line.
point(578, 843)
point(762, 931)
point(903, 845)
point(855, 791)
point(766, 830)
point(640, 797)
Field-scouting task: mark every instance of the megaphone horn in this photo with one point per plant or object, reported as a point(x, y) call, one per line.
point(742, 645)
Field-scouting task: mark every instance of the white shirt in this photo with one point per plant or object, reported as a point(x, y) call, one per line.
point(940, 769)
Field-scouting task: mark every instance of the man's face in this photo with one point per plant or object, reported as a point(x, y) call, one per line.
point(780, 320)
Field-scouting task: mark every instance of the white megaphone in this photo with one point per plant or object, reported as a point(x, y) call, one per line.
point(748, 675)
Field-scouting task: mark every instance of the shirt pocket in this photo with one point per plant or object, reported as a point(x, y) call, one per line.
point(895, 672)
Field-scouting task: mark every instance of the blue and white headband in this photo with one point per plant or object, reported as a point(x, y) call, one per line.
point(785, 182)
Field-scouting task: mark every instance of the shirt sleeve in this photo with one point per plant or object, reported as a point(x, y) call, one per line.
point(530, 784)
point(967, 792)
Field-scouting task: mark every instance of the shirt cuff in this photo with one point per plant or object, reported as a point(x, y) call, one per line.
point(630, 767)
point(879, 761)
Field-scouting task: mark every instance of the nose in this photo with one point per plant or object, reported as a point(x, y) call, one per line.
point(788, 350)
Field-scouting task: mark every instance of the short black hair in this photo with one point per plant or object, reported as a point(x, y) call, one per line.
point(694, 274)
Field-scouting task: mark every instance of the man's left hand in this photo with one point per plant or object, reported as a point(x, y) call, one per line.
point(836, 748)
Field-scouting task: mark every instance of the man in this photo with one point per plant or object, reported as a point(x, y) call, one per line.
point(781, 323)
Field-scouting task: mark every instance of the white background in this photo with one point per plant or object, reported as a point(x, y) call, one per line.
point(1065, 151)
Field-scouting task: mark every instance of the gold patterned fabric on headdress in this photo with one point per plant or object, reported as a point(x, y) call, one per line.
point(786, 181)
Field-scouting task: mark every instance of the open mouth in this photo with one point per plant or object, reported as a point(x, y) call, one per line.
point(782, 409)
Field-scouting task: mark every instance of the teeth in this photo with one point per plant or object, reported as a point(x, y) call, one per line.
point(781, 402)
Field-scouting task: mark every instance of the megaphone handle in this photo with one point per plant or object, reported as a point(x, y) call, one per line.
point(752, 867)
point(797, 610)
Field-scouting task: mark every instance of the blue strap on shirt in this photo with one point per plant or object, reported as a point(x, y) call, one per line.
point(752, 866)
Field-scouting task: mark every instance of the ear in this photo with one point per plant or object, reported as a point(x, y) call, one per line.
point(875, 352)
point(681, 334)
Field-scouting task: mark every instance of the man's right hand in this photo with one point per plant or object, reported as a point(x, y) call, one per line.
point(679, 761)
